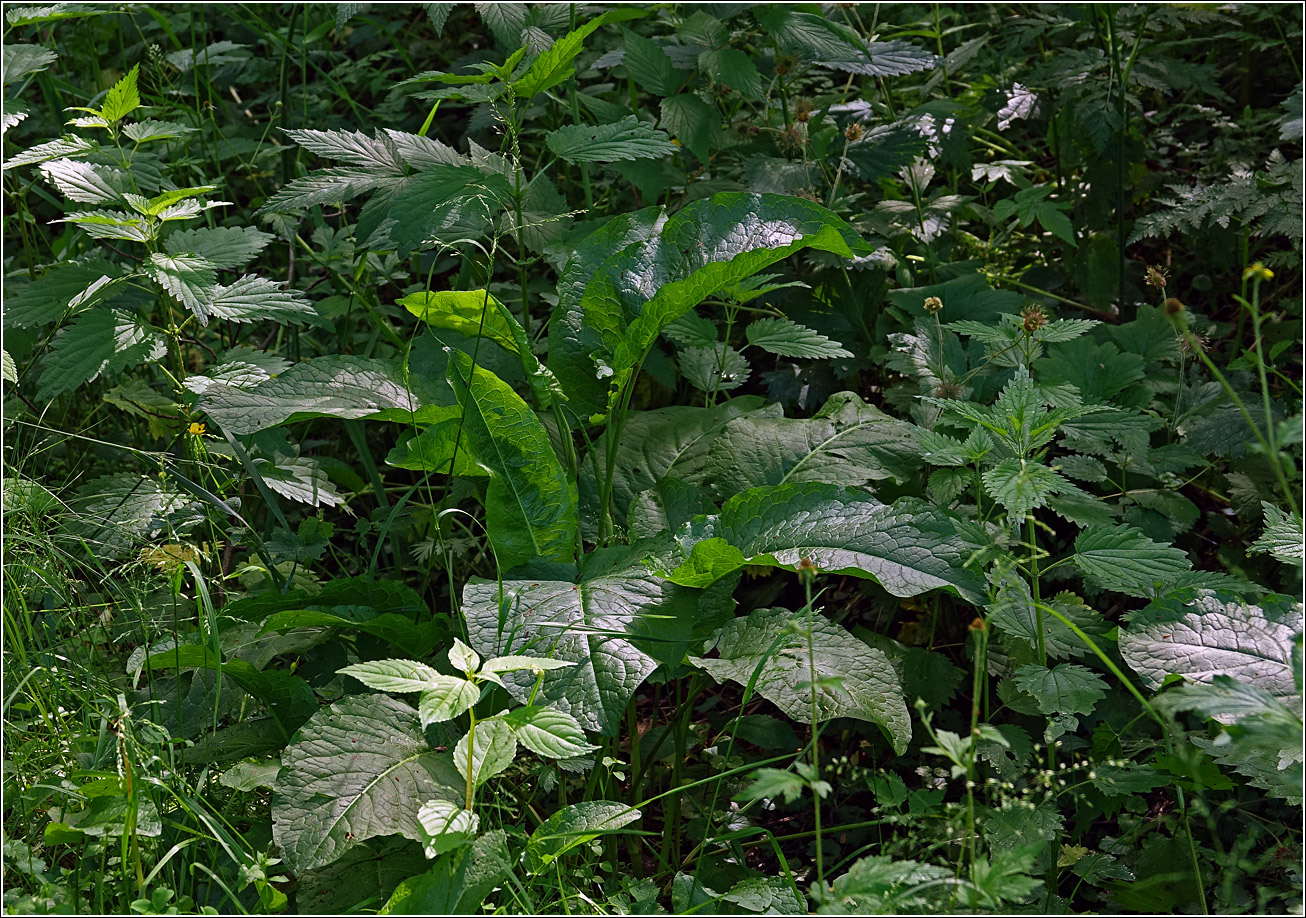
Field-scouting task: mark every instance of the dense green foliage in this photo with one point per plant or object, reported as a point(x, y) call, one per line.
point(685, 458)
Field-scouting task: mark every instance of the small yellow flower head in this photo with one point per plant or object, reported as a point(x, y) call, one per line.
point(933, 304)
point(196, 429)
point(1156, 277)
point(1258, 271)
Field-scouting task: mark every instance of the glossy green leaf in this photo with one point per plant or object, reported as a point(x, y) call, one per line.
point(352, 773)
point(909, 547)
point(530, 506)
point(852, 679)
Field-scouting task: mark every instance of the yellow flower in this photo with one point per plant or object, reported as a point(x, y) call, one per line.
point(1258, 271)
point(196, 429)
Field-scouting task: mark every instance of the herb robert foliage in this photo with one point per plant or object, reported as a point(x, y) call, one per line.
point(1046, 479)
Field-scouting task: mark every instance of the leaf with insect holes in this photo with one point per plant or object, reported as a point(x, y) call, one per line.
point(789, 339)
point(626, 139)
point(353, 772)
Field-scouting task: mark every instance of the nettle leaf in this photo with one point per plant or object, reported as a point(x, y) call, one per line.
point(188, 279)
point(95, 342)
point(68, 145)
point(847, 442)
point(1014, 615)
point(789, 339)
point(649, 66)
point(222, 246)
point(324, 186)
point(116, 513)
point(852, 679)
point(443, 197)
point(122, 98)
point(1282, 538)
point(254, 298)
point(547, 731)
point(709, 246)
point(45, 299)
point(490, 752)
point(615, 627)
point(880, 885)
point(1122, 559)
point(626, 139)
point(457, 882)
point(692, 122)
point(530, 505)
point(557, 63)
point(299, 478)
point(20, 60)
point(84, 183)
point(506, 21)
point(1021, 485)
point(379, 154)
point(151, 130)
point(1067, 688)
point(1200, 634)
point(574, 826)
point(909, 547)
point(340, 387)
point(352, 773)
point(719, 368)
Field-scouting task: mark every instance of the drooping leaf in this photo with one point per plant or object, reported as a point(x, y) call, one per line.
point(1122, 559)
point(847, 442)
point(789, 339)
point(626, 139)
point(719, 368)
point(530, 504)
point(84, 183)
point(547, 731)
point(649, 66)
point(909, 547)
point(1282, 537)
point(1199, 634)
point(852, 679)
point(709, 246)
point(337, 386)
point(352, 773)
point(573, 827)
point(222, 246)
point(95, 342)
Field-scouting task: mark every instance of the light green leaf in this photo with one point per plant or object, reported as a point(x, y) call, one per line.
point(445, 826)
point(573, 827)
point(789, 339)
point(338, 386)
point(188, 279)
point(530, 505)
point(397, 675)
point(122, 98)
point(67, 145)
point(1282, 537)
point(20, 60)
point(909, 547)
point(847, 442)
point(434, 448)
point(352, 773)
point(463, 658)
point(547, 732)
point(626, 139)
point(1067, 688)
point(457, 883)
point(513, 662)
point(880, 885)
point(117, 513)
point(556, 64)
point(491, 751)
point(853, 680)
point(95, 342)
point(84, 183)
point(8, 370)
point(150, 130)
point(1122, 559)
point(1200, 634)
